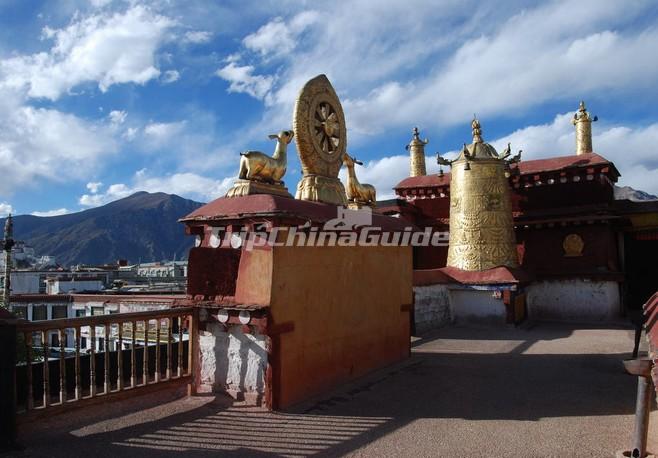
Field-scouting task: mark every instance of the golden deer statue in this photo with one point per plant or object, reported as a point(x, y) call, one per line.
point(355, 191)
point(258, 166)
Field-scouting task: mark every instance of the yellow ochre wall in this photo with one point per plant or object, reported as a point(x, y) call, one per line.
point(345, 303)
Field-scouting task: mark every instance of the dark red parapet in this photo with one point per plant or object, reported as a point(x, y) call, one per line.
point(553, 164)
point(212, 272)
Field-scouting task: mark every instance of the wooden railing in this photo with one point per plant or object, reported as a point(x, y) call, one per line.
point(110, 354)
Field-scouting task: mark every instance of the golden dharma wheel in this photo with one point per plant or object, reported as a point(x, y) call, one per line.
point(319, 125)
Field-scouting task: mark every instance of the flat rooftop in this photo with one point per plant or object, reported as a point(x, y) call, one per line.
point(541, 390)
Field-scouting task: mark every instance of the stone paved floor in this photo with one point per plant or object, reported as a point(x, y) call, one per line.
point(540, 391)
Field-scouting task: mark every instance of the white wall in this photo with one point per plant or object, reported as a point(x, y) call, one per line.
point(65, 286)
point(431, 307)
point(24, 283)
point(573, 300)
point(470, 305)
point(233, 362)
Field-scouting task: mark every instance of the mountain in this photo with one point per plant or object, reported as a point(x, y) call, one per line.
point(143, 226)
point(626, 192)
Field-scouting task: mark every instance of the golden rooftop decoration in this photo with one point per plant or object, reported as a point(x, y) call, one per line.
point(357, 194)
point(583, 122)
point(481, 225)
point(321, 137)
point(416, 149)
point(262, 174)
point(573, 245)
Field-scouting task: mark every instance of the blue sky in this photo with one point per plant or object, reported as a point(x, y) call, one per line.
point(102, 98)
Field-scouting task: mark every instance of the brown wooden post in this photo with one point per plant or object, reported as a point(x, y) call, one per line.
point(78, 378)
point(170, 322)
point(120, 358)
point(8, 352)
point(192, 346)
point(29, 405)
point(145, 360)
point(92, 361)
point(61, 336)
point(107, 384)
point(158, 324)
point(46, 369)
point(133, 370)
point(179, 371)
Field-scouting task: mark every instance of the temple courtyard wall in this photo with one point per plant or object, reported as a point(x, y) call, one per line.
point(431, 307)
point(573, 299)
point(581, 300)
point(472, 305)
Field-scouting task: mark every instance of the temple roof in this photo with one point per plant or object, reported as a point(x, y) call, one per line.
point(552, 164)
point(265, 205)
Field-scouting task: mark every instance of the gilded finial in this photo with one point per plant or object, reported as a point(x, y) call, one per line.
point(415, 139)
point(583, 122)
point(583, 115)
point(417, 149)
point(477, 132)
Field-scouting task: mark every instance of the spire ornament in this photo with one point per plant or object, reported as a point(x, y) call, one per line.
point(477, 132)
point(583, 122)
point(416, 150)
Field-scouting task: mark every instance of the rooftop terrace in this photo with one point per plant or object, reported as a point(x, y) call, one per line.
point(541, 390)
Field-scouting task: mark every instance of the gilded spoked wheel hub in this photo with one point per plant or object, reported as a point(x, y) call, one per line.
point(327, 127)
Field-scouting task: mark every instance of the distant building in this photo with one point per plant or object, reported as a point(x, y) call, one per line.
point(25, 257)
point(166, 269)
point(36, 281)
point(39, 307)
point(65, 285)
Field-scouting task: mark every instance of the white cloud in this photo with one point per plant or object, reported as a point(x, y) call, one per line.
point(159, 134)
point(41, 144)
point(243, 80)
point(56, 212)
point(561, 51)
point(117, 117)
point(5, 209)
point(162, 129)
point(277, 38)
point(100, 3)
point(186, 184)
point(170, 76)
point(94, 186)
point(395, 64)
point(113, 192)
point(107, 48)
point(197, 36)
point(130, 133)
